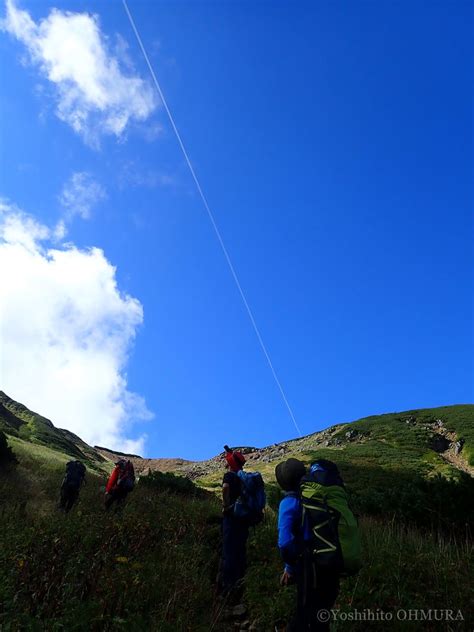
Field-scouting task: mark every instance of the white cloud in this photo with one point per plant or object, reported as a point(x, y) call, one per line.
point(79, 195)
point(65, 334)
point(93, 94)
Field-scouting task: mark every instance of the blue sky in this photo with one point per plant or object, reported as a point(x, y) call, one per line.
point(334, 144)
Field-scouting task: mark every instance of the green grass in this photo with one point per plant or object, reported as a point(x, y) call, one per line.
point(150, 567)
point(18, 421)
point(394, 429)
point(385, 446)
point(153, 566)
point(403, 569)
point(32, 453)
point(412, 569)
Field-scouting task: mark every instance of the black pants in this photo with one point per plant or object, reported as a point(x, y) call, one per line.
point(117, 496)
point(317, 591)
point(69, 495)
point(234, 543)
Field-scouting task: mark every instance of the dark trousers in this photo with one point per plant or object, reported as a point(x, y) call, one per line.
point(69, 495)
point(317, 591)
point(234, 542)
point(117, 496)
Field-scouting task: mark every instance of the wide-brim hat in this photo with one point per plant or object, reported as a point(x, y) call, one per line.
point(289, 474)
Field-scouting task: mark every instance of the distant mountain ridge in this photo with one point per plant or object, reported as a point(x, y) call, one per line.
point(115, 453)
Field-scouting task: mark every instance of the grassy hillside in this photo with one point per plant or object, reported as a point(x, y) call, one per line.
point(412, 431)
point(18, 421)
point(404, 568)
point(153, 566)
point(91, 570)
point(389, 462)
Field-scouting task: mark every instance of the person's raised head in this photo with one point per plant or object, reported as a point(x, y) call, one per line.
point(235, 460)
point(289, 474)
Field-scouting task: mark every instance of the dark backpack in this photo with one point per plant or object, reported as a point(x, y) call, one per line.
point(250, 505)
point(335, 542)
point(75, 473)
point(126, 479)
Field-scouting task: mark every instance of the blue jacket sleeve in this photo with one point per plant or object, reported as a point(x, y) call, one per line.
point(289, 521)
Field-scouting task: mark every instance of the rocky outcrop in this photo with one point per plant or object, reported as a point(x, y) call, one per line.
point(439, 443)
point(446, 443)
point(351, 434)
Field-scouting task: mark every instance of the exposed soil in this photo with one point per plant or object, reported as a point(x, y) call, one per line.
point(449, 455)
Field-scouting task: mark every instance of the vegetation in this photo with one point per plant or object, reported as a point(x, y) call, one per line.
point(404, 568)
point(408, 431)
point(18, 421)
point(404, 493)
point(153, 565)
point(161, 481)
point(460, 419)
point(6, 454)
point(91, 570)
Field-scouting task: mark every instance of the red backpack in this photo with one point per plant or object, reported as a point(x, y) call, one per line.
point(126, 477)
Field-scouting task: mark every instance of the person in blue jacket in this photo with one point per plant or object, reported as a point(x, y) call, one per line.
point(316, 592)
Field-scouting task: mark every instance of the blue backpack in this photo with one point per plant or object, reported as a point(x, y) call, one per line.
point(250, 504)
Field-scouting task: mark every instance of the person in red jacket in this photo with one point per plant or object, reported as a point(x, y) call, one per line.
point(120, 483)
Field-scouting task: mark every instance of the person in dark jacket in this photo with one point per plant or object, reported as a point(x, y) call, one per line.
point(316, 591)
point(234, 530)
point(71, 485)
point(120, 483)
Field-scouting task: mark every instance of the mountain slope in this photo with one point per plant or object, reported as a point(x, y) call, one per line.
point(153, 566)
point(18, 421)
point(424, 441)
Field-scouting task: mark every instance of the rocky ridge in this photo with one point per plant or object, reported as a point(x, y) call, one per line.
point(441, 440)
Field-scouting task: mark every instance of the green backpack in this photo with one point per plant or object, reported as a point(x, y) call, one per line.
point(335, 542)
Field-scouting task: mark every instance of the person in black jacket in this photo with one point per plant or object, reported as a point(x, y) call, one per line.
point(74, 478)
point(234, 530)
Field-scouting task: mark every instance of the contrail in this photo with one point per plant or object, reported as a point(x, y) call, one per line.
point(211, 216)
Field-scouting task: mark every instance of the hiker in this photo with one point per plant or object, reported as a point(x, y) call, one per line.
point(120, 483)
point(315, 552)
point(75, 476)
point(243, 502)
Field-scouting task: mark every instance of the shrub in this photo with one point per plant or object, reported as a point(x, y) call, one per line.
point(437, 503)
point(165, 481)
point(149, 567)
point(6, 453)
